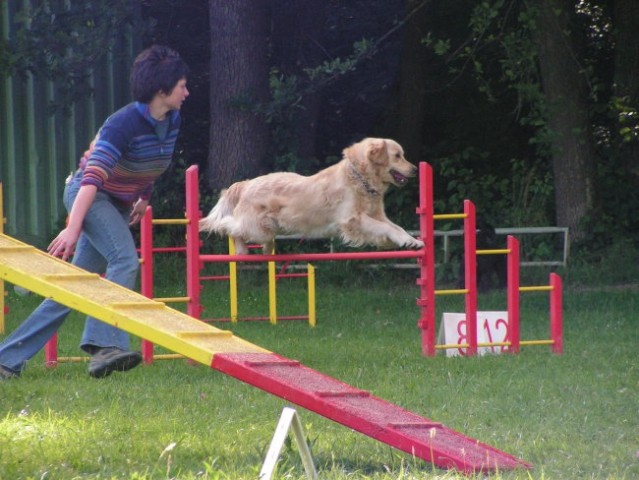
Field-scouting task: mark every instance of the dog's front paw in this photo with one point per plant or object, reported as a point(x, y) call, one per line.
point(415, 244)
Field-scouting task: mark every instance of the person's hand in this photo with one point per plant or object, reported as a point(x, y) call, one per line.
point(139, 209)
point(64, 244)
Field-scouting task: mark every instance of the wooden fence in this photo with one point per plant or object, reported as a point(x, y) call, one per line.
point(38, 148)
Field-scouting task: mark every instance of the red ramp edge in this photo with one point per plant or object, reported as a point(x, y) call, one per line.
point(357, 409)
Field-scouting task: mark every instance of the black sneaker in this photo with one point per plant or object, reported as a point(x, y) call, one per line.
point(111, 359)
point(7, 374)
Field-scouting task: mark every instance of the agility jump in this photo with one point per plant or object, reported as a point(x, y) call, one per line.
point(426, 280)
point(424, 258)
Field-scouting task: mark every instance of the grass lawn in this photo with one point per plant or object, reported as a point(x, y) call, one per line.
point(574, 416)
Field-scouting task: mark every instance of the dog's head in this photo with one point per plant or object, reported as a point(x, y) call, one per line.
point(385, 157)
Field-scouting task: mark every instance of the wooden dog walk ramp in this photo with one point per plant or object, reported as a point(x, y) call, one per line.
point(45, 275)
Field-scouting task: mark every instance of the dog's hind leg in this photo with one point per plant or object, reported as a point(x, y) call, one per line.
point(240, 246)
point(268, 247)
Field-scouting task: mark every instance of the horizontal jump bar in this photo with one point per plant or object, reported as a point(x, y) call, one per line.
point(313, 257)
point(523, 343)
point(172, 299)
point(449, 216)
point(497, 251)
point(170, 221)
point(451, 346)
point(168, 356)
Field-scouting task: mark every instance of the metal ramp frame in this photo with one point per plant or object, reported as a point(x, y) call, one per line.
point(88, 293)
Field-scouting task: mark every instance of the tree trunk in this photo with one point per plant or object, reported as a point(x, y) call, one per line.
point(238, 79)
point(626, 78)
point(564, 87)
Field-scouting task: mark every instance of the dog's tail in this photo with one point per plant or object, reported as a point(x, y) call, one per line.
point(215, 220)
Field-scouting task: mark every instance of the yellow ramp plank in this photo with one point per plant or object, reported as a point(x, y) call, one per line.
point(28, 267)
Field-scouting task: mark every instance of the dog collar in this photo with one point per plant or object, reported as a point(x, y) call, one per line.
point(370, 190)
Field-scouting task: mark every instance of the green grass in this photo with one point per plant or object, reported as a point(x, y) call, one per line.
point(573, 416)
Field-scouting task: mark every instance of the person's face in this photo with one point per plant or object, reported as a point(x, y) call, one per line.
point(177, 96)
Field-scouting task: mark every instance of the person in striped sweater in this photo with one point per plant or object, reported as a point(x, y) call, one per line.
point(107, 194)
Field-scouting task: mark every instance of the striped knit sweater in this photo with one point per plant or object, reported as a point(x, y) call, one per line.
point(129, 155)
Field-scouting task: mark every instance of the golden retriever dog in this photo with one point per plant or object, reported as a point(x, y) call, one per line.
point(345, 200)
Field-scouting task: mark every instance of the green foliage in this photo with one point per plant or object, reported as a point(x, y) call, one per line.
point(508, 37)
point(330, 70)
point(288, 92)
point(627, 118)
point(500, 52)
point(287, 96)
point(281, 113)
point(522, 197)
point(62, 41)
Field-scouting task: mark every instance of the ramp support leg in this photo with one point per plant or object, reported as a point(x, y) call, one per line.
point(288, 419)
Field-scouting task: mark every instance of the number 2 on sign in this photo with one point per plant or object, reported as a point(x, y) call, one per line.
point(500, 322)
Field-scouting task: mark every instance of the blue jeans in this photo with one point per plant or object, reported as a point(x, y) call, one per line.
point(105, 246)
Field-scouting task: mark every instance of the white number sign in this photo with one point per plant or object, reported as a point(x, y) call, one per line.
point(492, 327)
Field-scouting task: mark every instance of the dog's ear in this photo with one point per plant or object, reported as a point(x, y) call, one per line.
point(357, 152)
point(376, 151)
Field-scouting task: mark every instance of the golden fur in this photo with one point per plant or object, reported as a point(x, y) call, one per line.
point(344, 200)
